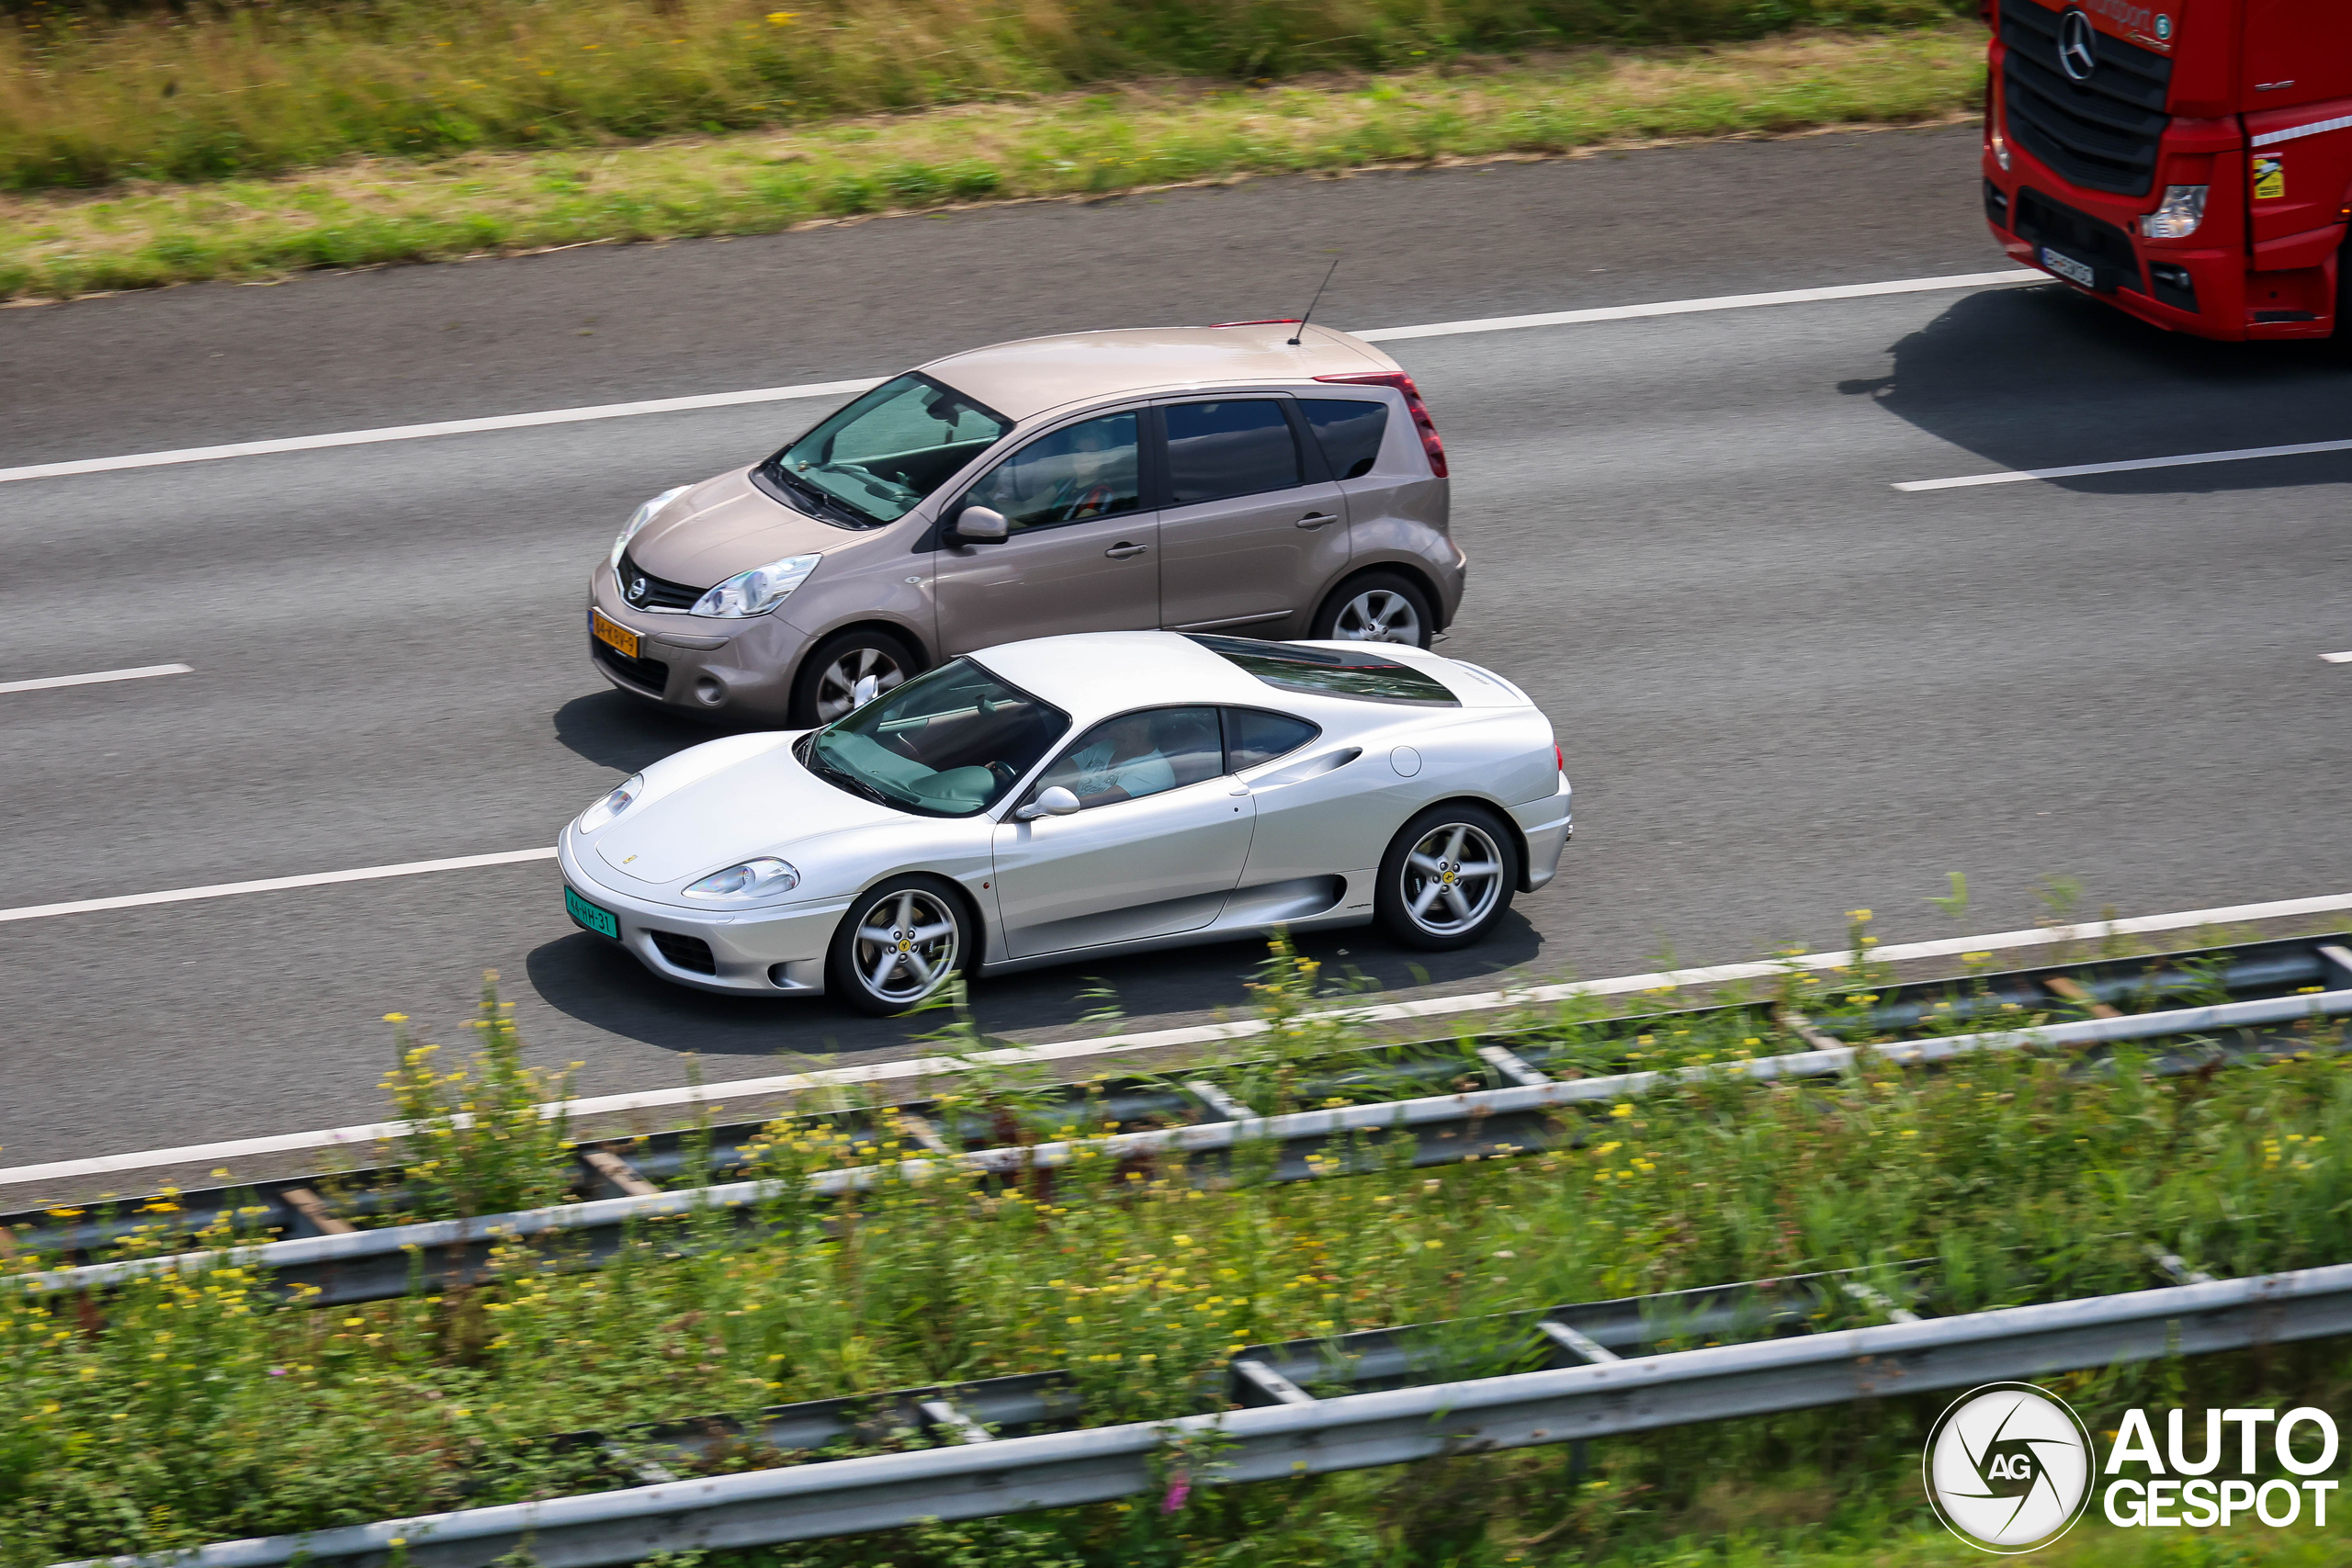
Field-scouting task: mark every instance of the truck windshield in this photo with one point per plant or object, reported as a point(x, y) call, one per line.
point(946, 744)
point(872, 462)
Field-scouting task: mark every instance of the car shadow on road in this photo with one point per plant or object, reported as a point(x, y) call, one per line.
point(592, 980)
point(2042, 378)
point(615, 731)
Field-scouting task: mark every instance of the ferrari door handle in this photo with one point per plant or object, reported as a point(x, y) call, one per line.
point(1316, 520)
point(1122, 550)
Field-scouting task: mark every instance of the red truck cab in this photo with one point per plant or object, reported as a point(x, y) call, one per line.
point(2188, 161)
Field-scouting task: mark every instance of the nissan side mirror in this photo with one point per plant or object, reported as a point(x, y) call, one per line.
point(982, 526)
point(1054, 802)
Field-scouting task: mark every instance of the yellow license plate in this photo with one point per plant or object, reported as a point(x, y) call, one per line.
point(609, 630)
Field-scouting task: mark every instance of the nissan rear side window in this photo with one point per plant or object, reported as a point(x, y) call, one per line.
point(1235, 446)
point(1327, 672)
point(1348, 430)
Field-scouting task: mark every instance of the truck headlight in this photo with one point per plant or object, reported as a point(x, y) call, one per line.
point(2176, 217)
point(758, 591)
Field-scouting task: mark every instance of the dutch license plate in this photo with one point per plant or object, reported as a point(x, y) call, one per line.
point(2067, 266)
point(604, 922)
point(609, 630)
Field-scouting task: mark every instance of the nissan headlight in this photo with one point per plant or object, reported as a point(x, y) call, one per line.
point(758, 591)
point(2176, 217)
point(761, 878)
point(640, 517)
point(613, 805)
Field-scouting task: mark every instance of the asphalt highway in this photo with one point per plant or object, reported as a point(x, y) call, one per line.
point(1784, 688)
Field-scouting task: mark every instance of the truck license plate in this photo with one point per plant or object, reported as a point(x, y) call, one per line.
point(2068, 267)
point(611, 631)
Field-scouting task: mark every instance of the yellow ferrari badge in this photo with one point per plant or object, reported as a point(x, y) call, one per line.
point(2269, 176)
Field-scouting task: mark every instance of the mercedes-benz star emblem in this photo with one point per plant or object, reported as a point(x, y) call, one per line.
point(2077, 55)
point(636, 591)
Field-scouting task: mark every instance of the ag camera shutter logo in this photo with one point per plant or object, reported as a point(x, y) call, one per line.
point(2008, 1468)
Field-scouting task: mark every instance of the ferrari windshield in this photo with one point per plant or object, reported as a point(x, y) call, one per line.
point(872, 462)
point(946, 744)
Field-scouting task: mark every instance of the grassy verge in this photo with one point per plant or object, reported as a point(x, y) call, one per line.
point(190, 1409)
point(374, 210)
point(91, 94)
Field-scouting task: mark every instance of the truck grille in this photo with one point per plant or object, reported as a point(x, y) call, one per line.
point(2101, 134)
point(650, 674)
point(659, 595)
point(688, 952)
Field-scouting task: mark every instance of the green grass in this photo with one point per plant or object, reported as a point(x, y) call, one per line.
point(373, 209)
point(90, 95)
point(191, 1409)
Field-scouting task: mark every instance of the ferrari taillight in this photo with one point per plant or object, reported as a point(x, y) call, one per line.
point(1413, 405)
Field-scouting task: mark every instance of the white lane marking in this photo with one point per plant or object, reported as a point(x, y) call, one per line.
point(2188, 459)
point(2344, 658)
point(1718, 302)
point(1068, 1049)
point(273, 885)
point(443, 428)
point(831, 389)
point(50, 683)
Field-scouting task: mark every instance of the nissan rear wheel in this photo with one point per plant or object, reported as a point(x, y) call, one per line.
point(899, 945)
point(1380, 606)
point(846, 673)
point(1448, 877)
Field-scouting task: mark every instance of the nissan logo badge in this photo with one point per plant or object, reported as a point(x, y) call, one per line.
point(2076, 51)
point(636, 591)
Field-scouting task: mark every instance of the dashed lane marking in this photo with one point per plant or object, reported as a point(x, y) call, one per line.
point(2130, 464)
point(50, 683)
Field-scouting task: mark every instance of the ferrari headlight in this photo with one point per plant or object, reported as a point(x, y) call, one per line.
point(758, 878)
point(613, 805)
point(2177, 216)
point(758, 591)
point(640, 517)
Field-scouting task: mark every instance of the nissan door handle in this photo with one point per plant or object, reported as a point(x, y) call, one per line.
point(1316, 520)
point(1122, 550)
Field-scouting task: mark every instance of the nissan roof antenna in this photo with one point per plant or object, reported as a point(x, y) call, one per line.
point(1316, 300)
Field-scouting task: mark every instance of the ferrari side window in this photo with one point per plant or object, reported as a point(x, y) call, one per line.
point(1138, 754)
point(1254, 736)
point(1080, 471)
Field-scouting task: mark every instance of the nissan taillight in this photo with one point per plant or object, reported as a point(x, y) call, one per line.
point(1413, 405)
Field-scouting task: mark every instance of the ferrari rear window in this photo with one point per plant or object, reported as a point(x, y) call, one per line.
point(1367, 677)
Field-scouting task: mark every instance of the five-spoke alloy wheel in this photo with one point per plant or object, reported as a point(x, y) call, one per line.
point(1447, 877)
point(899, 945)
point(1380, 606)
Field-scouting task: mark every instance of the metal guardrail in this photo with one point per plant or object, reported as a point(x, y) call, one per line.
point(980, 1474)
point(380, 1264)
point(327, 1204)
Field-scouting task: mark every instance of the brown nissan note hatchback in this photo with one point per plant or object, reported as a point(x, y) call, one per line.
point(1233, 479)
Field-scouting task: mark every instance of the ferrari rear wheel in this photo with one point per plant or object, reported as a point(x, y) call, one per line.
point(1448, 877)
point(899, 945)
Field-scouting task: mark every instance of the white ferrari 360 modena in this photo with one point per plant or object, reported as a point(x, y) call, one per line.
point(1073, 797)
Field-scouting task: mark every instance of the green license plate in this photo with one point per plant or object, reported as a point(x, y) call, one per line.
point(604, 922)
